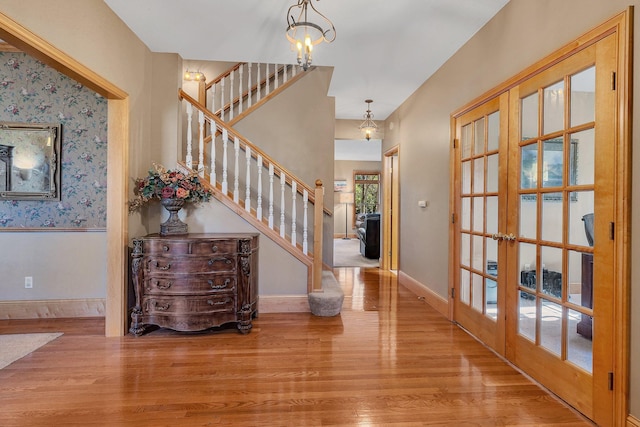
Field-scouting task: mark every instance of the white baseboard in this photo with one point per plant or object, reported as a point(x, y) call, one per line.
point(284, 304)
point(633, 421)
point(441, 305)
point(42, 309)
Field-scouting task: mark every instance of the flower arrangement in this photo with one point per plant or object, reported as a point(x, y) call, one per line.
point(162, 183)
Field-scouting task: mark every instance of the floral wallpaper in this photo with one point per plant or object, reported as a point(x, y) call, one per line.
point(32, 92)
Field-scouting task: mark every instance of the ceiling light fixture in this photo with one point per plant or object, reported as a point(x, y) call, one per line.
point(368, 126)
point(303, 34)
point(194, 76)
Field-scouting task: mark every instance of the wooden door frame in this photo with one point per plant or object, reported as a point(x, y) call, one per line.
point(622, 26)
point(117, 161)
point(389, 222)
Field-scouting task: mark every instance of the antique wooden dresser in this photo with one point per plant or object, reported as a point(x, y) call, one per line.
point(194, 282)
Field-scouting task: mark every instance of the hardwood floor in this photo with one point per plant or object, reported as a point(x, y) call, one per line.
point(388, 359)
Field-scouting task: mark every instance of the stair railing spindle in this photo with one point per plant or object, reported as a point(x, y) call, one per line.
point(283, 181)
point(189, 158)
point(225, 143)
point(271, 196)
point(259, 201)
point(212, 176)
point(305, 223)
point(231, 90)
point(236, 172)
point(294, 214)
point(200, 143)
point(240, 92)
point(247, 198)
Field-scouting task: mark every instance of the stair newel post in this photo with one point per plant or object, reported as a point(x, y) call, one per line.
point(247, 198)
point(294, 214)
point(200, 143)
point(317, 237)
point(225, 144)
point(283, 181)
point(202, 92)
point(189, 158)
point(240, 85)
point(236, 171)
point(212, 175)
point(259, 206)
point(271, 196)
point(232, 77)
point(305, 223)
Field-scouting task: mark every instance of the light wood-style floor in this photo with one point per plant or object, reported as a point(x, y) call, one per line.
point(387, 360)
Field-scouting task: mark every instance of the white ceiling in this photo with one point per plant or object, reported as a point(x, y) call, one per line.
point(384, 50)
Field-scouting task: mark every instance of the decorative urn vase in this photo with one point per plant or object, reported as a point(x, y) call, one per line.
point(172, 225)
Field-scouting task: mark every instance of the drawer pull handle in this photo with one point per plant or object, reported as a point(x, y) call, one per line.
point(162, 307)
point(223, 286)
point(226, 261)
point(166, 267)
point(160, 285)
point(165, 248)
point(214, 248)
point(211, 302)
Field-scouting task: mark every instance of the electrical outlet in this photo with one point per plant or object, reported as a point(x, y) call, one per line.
point(28, 282)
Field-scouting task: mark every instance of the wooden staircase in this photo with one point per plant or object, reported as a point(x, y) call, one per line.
point(244, 178)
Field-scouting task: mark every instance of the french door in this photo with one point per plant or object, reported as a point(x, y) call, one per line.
point(535, 188)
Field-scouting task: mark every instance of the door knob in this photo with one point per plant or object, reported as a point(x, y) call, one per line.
point(499, 236)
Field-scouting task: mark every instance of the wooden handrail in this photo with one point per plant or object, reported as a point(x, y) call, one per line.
point(223, 75)
point(255, 151)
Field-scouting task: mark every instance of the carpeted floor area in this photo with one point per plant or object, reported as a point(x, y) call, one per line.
point(346, 253)
point(16, 346)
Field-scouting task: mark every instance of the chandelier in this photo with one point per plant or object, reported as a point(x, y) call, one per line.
point(304, 34)
point(368, 126)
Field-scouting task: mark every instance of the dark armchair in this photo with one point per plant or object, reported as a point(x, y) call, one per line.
point(368, 229)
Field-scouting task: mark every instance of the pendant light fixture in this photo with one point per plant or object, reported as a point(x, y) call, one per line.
point(304, 34)
point(368, 126)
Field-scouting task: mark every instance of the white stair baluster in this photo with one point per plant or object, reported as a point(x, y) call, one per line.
point(285, 73)
point(294, 214)
point(212, 176)
point(222, 99)
point(189, 158)
point(249, 86)
point(294, 71)
point(305, 224)
point(225, 143)
point(259, 95)
point(283, 181)
point(267, 77)
point(277, 75)
point(247, 198)
point(200, 143)
point(259, 206)
point(231, 90)
point(271, 196)
point(213, 98)
point(236, 172)
point(240, 93)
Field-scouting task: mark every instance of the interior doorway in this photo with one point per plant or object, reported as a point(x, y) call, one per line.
point(391, 209)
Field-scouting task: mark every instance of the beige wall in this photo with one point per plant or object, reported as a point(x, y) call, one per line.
point(421, 127)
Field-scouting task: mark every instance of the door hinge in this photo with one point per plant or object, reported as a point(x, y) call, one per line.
point(453, 293)
point(610, 381)
point(453, 218)
point(612, 231)
point(455, 143)
point(613, 80)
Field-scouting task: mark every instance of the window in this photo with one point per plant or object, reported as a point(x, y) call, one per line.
point(367, 189)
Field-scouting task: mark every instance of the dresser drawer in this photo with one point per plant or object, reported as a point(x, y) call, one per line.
point(190, 265)
point(172, 247)
point(206, 284)
point(190, 304)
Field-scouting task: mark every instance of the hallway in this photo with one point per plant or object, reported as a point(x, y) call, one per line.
point(388, 359)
